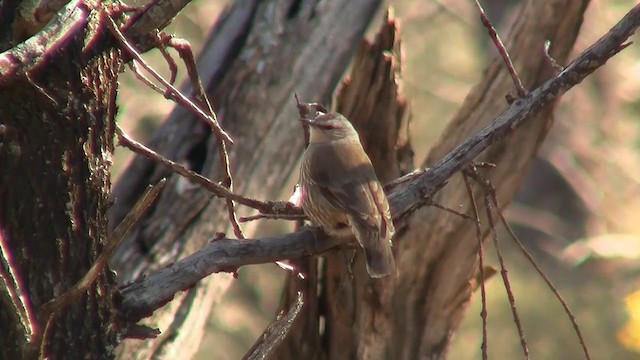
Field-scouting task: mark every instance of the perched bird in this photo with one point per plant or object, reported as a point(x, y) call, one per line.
point(341, 193)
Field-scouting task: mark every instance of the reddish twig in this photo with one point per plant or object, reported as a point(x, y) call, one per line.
point(491, 191)
point(173, 67)
point(144, 79)
point(501, 49)
point(505, 278)
point(174, 93)
point(546, 279)
point(483, 294)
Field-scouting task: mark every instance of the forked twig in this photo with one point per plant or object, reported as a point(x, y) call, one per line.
point(186, 54)
point(174, 93)
point(491, 195)
point(501, 50)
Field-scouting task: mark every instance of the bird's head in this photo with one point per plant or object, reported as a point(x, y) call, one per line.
point(330, 127)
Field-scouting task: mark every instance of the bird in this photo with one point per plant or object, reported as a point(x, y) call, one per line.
point(340, 191)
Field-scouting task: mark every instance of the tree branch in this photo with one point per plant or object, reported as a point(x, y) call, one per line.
point(73, 17)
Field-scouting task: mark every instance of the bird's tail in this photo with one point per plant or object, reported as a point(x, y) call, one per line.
point(377, 249)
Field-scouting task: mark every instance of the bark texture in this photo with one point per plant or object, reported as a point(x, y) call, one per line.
point(259, 54)
point(56, 142)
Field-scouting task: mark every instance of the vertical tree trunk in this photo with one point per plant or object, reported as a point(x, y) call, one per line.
point(56, 142)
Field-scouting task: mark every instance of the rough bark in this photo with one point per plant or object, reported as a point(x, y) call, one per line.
point(259, 55)
point(56, 142)
point(415, 314)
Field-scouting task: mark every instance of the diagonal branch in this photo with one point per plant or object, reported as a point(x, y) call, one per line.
point(517, 114)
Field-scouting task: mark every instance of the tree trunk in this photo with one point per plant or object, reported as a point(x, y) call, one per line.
point(56, 142)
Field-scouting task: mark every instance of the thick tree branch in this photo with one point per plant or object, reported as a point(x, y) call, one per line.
point(413, 191)
point(73, 17)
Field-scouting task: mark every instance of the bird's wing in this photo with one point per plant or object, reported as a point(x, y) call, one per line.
point(349, 182)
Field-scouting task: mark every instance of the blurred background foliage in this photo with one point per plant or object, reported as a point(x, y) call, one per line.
point(578, 211)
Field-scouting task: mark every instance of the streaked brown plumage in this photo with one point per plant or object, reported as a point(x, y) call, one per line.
point(341, 193)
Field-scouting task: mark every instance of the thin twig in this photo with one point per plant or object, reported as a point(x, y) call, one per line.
point(449, 210)
point(292, 217)
point(273, 335)
point(186, 54)
point(266, 207)
point(144, 79)
point(173, 67)
point(531, 260)
point(174, 93)
point(505, 278)
point(501, 49)
point(16, 289)
point(483, 294)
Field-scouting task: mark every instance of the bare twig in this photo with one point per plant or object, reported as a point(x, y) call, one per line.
point(266, 207)
point(455, 212)
point(186, 54)
point(505, 278)
point(274, 333)
point(501, 50)
point(545, 51)
point(173, 67)
point(144, 79)
point(546, 279)
point(174, 93)
point(293, 217)
point(483, 294)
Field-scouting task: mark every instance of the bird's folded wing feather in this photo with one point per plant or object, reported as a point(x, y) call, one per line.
point(349, 183)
